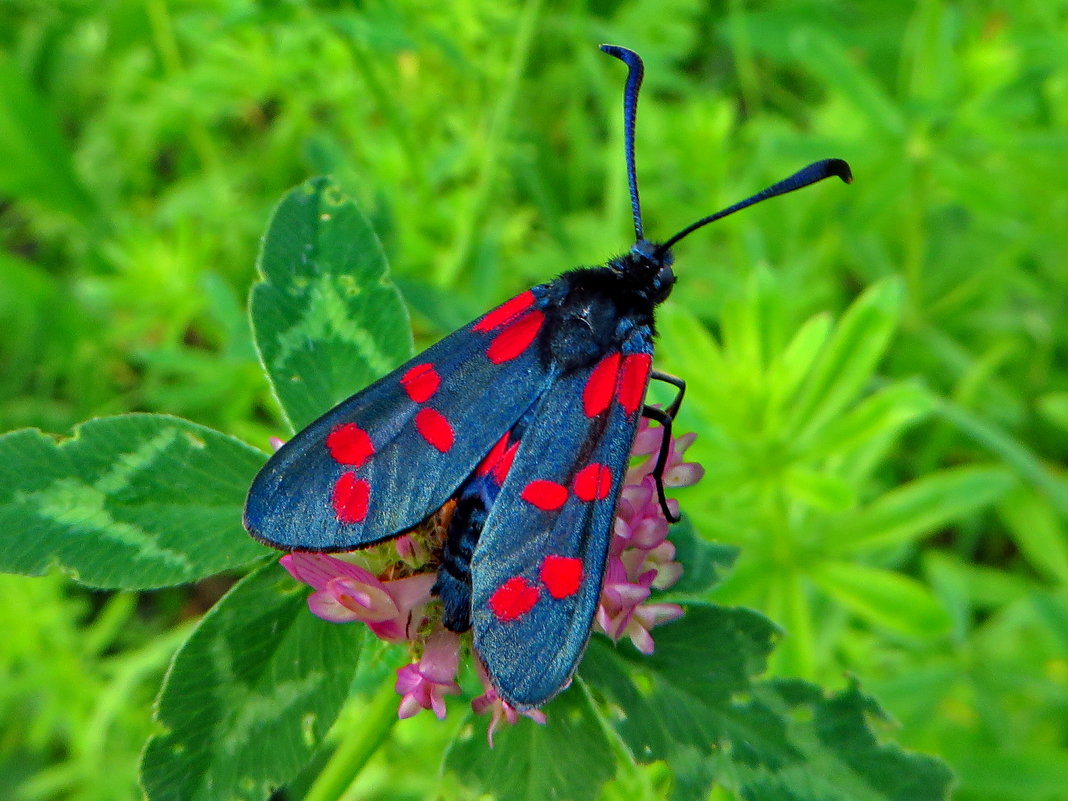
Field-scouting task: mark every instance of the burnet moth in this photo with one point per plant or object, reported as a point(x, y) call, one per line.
point(522, 422)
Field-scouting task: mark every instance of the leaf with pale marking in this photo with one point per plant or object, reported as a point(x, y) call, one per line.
point(326, 317)
point(129, 502)
point(250, 696)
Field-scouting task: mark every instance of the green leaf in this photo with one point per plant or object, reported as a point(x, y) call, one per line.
point(688, 349)
point(889, 410)
point(820, 490)
point(1054, 407)
point(1038, 532)
point(883, 597)
point(694, 705)
point(568, 758)
point(1032, 773)
point(705, 562)
point(250, 696)
point(35, 161)
point(848, 361)
point(682, 696)
point(965, 586)
point(918, 508)
point(748, 323)
point(829, 59)
point(1009, 450)
point(790, 367)
point(326, 318)
point(841, 759)
point(129, 502)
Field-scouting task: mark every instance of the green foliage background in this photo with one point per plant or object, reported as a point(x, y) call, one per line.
point(906, 527)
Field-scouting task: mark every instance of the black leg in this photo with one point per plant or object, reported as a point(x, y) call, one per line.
point(665, 419)
point(678, 383)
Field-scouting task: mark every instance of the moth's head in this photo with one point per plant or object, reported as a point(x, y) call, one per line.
point(648, 267)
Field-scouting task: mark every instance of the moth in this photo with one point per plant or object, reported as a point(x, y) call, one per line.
point(524, 420)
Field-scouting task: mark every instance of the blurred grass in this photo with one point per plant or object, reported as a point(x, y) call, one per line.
point(142, 145)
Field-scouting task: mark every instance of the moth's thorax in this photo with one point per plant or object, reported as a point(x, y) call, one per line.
point(597, 309)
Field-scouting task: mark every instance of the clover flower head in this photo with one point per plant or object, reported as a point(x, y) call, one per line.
point(395, 601)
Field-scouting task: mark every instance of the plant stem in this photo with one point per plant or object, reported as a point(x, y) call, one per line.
point(357, 746)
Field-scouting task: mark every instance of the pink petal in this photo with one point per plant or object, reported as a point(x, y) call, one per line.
point(409, 706)
point(667, 574)
point(650, 532)
point(371, 603)
point(393, 630)
point(656, 614)
point(617, 624)
point(683, 475)
point(412, 591)
point(499, 709)
point(682, 443)
point(629, 595)
point(641, 638)
point(441, 658)
point(602, 620)
point(327, 607)
point(646, 440)
point(411, 550)
point(408, 678)
point(437, 702)
point(317, 569)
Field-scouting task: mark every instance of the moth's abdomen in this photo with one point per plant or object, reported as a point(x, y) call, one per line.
point(453, 584)
point(473, 501)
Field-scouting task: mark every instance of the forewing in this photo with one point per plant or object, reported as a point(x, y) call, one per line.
point(381, 461)
point(539, 564)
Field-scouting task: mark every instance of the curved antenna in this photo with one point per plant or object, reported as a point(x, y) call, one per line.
point(800, 179)
point(635, 72)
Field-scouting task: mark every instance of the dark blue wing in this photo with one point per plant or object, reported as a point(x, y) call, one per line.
point(539, 564)
point(381, 461)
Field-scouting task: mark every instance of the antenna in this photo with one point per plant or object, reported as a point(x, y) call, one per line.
point(635, 72)
point(799, 180)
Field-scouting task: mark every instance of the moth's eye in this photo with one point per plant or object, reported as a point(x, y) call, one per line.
point(665, 279)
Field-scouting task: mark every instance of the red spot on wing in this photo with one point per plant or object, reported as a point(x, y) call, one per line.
point(513, 599)
point(350, 498)
point(349, 445)
point(516, 338)
point(561, 575)
point(434, 428)
point(633, 378)
point(593, 482)
point(500, 470)
point(597, 394)
point(421, 382)
point(547, 495)
point(494, 456)
point(506, 312)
